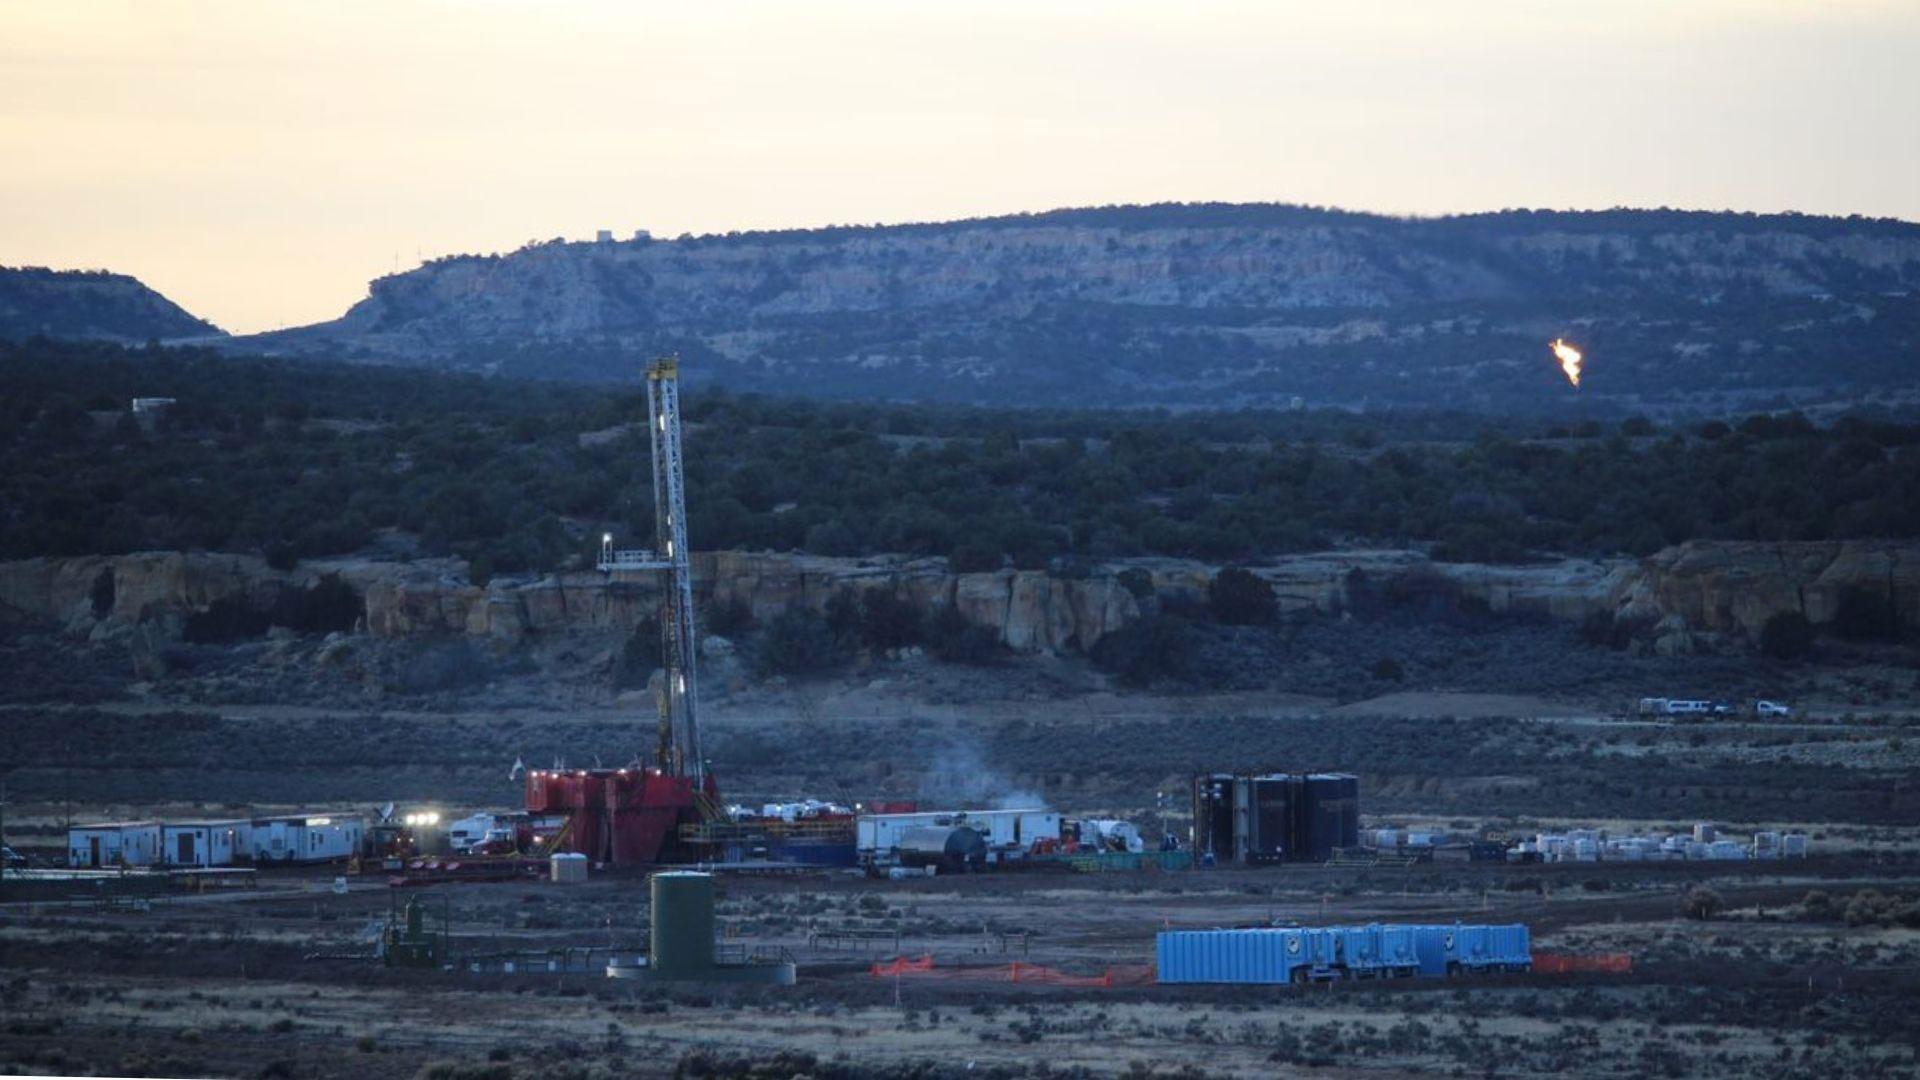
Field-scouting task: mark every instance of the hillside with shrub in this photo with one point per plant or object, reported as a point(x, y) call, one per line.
point(301, 460)
point(90, 304)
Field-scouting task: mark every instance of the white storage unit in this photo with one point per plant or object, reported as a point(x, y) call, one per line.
point(199, 843)
point(569, 868)
point(303, 838)
point(1007, 832)
point(119, 843)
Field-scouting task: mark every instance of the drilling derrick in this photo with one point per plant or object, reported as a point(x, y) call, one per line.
point(637, 815)
point(677, 752)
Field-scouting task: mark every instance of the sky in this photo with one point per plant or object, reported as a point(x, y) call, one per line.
point(260, 161)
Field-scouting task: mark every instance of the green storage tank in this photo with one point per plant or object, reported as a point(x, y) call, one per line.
point(682, 923)
point(683, 940)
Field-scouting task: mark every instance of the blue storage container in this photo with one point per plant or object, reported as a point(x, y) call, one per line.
point(1357, 948)
point(1434, 947)
point(1510, 947)
point(1398, 954)
point(1277, 956)
point(1376, 951)
point(1495, 948)
point(1239, 956)
point(1472, 947)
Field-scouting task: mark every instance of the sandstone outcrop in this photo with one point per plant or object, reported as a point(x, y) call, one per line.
point(1727, 590)
point(1734, 588)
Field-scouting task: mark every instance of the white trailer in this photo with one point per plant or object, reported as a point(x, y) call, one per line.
point(303, 838)
point(199, 843)
point(117, 843)
point(1009, 833)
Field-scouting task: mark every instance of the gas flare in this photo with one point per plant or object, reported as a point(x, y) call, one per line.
point(1569, 358)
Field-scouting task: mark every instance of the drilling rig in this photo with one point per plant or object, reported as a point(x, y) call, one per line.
point(637, 815)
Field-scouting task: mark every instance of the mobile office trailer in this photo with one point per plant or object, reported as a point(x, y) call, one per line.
point(199, 843)
point(303, 838)
point(117, 843)
point(1008, 833)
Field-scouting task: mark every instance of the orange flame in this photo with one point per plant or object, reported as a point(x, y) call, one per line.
point(1569, 358)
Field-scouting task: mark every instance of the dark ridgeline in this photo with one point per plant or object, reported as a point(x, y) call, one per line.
point(1190, 306)
point(35, 301)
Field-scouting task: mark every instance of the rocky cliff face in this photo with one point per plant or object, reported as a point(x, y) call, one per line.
point(90, 304)
point(1735, 588)
point(1210, 304)
point(1692, 591)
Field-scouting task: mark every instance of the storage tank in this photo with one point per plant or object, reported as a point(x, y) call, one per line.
point(1275, 799)
point(1329, 816)
point(1213, 817)
point(682, 923)
point(946, 848)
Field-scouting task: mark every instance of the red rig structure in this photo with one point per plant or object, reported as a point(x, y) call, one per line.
point(647, 814)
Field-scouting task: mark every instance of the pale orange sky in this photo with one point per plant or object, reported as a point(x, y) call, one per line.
point(260, 161)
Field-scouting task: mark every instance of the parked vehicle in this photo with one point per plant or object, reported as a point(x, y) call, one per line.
point(1771, 708)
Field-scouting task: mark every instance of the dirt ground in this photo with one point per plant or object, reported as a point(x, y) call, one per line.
point(1806, 968)
point(267, 983)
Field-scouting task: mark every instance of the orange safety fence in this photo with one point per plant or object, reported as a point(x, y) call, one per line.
point(1548, 963)
point(901, 965)
point(1018, 972)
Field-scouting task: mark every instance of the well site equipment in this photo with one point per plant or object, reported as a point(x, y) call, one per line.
point(682, 947)
point(407, 943)
point(1467, 948)
point(639, 815)
point(1314, 954)
point(951, 849)
point(1274, 817)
